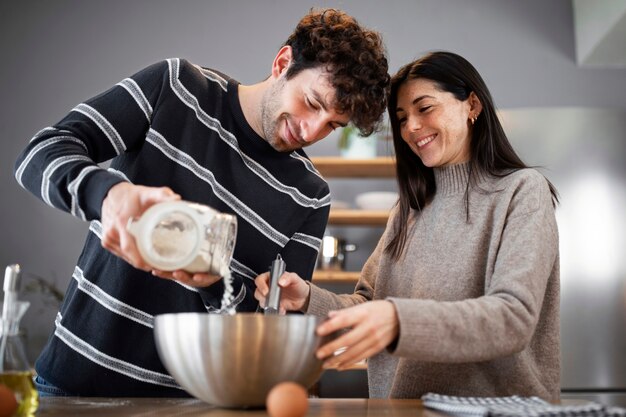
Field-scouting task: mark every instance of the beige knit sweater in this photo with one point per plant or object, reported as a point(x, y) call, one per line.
point(477, 301)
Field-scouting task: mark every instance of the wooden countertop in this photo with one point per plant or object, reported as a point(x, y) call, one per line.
point(144, 407)
point(188, 407)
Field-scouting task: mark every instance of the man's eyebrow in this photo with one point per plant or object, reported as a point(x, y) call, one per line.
point(316, 95)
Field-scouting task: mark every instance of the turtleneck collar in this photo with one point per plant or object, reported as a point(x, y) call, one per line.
point(453, 179)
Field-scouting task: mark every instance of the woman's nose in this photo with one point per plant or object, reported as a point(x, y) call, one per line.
point(413, 124)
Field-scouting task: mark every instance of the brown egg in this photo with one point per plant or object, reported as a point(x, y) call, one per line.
point(8, 403)
point(287, 399)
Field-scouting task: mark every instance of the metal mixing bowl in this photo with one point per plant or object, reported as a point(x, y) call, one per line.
point(234, 361)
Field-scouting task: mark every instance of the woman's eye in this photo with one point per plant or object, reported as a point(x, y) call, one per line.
point(402, 121)
point(424, 109)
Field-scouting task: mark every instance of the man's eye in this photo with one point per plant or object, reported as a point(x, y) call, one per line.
point(310, 104)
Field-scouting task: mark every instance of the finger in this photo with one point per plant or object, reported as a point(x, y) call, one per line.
point(287, 279)
point(157, 195)
point(162, 274)
point(111, 246)
point(345, 365)
point(359, 331)
point(327, 350)
point(182, 275)
point(183, 278)
point(205, 280)
point(130, 252)
point(259, 297)
point(360, 359)
point(194, 280)
point(110, 238)
point(355, 353)
point(261, 283)
point(337, 320)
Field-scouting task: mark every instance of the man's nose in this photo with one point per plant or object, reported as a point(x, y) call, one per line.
point(313, 129)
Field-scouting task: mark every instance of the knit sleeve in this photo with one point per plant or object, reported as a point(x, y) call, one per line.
point(60, 163)
point(321, 301)
point(502, 321)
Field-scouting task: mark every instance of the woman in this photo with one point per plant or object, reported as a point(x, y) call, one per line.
point(461, 294)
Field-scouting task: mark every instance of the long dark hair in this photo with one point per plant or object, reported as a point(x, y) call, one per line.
point(490, 150)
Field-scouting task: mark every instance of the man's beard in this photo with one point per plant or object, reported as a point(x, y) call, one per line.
point(269, 123)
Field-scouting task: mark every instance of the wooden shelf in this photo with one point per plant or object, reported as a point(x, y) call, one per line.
point(337, 167)
point(335, 276)
point(358, 217)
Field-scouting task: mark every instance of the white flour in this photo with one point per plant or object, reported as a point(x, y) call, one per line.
point(227, 298)
point(171, 244)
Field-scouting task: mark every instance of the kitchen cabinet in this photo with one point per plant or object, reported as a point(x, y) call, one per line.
point(337, 167)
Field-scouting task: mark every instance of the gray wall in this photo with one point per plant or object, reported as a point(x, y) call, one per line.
point(58, 53)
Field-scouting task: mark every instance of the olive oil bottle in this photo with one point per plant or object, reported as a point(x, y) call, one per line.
point(15, 370)
point(21, 383)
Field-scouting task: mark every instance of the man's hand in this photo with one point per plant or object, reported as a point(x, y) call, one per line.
point(126, 201)
point(193, 280)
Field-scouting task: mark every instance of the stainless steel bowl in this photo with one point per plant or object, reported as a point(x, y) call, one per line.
point(234, 361)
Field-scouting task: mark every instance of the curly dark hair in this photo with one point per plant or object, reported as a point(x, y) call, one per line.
point(355, 58)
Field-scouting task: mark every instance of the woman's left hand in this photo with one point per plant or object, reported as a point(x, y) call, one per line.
point(373, 326)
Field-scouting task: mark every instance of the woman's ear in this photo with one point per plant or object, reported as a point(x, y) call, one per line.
point(281, 61)
point(476, 107)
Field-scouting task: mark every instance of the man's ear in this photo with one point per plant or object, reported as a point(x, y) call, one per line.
point(281, 61)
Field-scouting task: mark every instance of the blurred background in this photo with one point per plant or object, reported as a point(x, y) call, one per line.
point(556, 69)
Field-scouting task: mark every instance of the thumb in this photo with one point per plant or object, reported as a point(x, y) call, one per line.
point(288, 279)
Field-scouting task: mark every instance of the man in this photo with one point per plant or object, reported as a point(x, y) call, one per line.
point(176, 130)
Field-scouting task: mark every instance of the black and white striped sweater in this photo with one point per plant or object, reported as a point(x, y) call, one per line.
point(179, 125)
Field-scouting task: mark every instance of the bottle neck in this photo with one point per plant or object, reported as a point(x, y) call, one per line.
point(10, 328)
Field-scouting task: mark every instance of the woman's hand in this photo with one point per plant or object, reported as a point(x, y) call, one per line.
point(294, 293)
point(373, 326)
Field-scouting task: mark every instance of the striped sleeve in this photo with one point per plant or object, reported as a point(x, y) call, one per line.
point(301, 251)
point(60, 163)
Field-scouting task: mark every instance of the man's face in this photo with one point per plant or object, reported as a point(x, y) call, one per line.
point(300, 111)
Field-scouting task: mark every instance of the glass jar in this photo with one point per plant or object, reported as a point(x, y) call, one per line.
point(183, 235)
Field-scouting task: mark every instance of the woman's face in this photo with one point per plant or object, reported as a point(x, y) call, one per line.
point(434, 123)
